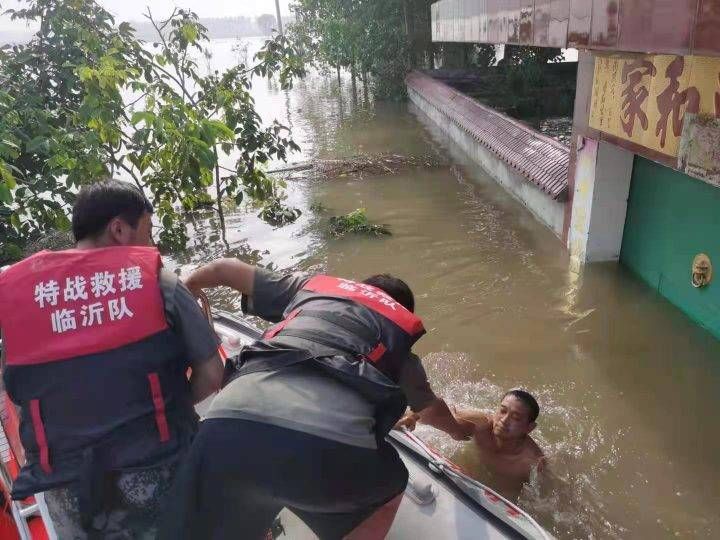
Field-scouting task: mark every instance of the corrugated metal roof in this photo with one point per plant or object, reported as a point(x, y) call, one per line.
point(540, 159)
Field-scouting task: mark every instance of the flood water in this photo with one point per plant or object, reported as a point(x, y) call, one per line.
point(628, 386)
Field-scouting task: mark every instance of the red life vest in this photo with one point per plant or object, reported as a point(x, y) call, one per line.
point(369, 333)
point(398, 328)
point(92, 363)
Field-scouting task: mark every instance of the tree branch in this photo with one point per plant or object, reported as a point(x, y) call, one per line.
point(133, 103)
point(180, 77)
point(124, 167)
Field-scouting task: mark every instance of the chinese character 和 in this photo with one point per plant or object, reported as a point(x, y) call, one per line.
point(671, 101)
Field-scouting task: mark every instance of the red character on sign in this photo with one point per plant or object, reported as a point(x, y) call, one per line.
point(635, 94)
point(672, 101)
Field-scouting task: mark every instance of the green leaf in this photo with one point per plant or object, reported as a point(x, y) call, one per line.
point(38, 145)
point(142, 116)
point(189, 32)
point(5, 194)
point(7, 176)
point(15, 221)
point(219, 129)
point(62, 222)
point(11, 252)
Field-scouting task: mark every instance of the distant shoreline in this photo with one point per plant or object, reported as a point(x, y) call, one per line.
point(218, 28)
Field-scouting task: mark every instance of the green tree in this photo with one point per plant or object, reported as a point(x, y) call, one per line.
point(381, 39)
point(483, 56)
point(526, 54)
point(86, 100)
point(525, 67)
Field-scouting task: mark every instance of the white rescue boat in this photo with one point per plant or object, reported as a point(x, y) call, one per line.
point(441, 502)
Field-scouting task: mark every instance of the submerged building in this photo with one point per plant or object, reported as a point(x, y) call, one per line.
point(640, 181)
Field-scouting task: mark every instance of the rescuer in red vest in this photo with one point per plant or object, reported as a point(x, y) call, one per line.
point(302, 418)
point(97, 343)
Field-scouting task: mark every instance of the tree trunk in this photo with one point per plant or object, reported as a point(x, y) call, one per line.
point(365, 86)
point(279, 17)
point(338, 75)
point(408, 40)
point(353, 74)
point(218, 190)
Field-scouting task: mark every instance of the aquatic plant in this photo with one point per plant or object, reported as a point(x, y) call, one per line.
point(356, 222)
point(276, 213)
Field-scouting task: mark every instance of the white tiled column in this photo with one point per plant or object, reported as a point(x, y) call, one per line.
point(602, 183)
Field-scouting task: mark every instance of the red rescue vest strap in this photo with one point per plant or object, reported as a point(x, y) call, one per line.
point(275, 330)
point(369, 296)
point(377, 352)
point(159, 403)
point(40, 438)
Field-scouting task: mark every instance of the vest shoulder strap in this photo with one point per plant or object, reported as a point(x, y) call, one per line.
point(371, 297)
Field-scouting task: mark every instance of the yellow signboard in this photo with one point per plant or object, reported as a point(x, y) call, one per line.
point(644, 98)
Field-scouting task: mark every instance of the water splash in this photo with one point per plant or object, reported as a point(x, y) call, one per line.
point(566, 498)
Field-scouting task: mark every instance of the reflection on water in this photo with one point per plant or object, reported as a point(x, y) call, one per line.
point(627, 385)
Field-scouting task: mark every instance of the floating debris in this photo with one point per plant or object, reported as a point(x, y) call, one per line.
point(356, 222)
point(360, 165)
point(274, 212)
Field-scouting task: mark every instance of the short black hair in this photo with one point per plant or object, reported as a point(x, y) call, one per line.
point(98, 203)
point(395, 287)
point(528, 399)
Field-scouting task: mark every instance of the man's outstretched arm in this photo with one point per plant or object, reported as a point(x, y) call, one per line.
point(223, 272)
point(439, 415)
point(426, 406)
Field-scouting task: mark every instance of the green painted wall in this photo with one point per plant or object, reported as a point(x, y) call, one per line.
point(672, 217)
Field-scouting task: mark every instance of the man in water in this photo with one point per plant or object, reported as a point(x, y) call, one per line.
point(505, 447)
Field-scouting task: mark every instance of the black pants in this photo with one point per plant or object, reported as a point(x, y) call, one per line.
point(240, 474)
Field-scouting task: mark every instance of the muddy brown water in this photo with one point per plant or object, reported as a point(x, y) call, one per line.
point(628, 386)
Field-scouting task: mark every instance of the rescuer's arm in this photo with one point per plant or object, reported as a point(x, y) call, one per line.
point(228, 272)
point(206, 378)
point(426, 406)
point(439, 415)
point(198, 339)
point(264, 293)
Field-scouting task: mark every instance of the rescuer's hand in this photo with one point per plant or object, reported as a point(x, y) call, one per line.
point(409, 421)
point(193, 286)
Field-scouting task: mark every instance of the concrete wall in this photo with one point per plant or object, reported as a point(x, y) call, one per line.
point(544, 208)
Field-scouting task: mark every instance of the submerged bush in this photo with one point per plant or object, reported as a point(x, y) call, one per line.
point(356, 222)
point(273, 211)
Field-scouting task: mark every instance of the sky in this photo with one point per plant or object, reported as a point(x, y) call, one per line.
point(132, 10)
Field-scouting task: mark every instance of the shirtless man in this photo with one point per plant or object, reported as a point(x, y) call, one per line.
point(504, 446)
